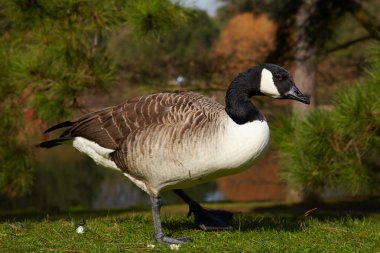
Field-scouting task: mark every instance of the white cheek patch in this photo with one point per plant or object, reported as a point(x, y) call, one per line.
point(267, 85)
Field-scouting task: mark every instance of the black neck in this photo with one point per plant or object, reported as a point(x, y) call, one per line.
point(238, 104)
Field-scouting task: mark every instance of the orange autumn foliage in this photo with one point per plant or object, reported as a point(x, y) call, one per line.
point(245, 41)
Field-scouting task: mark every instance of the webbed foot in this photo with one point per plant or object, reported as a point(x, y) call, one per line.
point(206, 219)
point(210, 219)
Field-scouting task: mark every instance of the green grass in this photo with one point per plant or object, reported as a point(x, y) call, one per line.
point(132, 231)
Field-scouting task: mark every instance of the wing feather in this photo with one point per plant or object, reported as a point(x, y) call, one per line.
point(110, 126)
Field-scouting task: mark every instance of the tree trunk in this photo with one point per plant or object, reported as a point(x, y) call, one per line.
point(305, 56)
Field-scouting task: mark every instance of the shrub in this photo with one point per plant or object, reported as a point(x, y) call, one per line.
point(336, 148)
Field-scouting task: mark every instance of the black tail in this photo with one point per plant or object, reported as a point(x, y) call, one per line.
point(55, 142)
point(60, 125)
point(65, 136)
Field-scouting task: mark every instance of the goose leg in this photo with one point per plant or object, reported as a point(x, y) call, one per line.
point(206, 219)
point(158, 233)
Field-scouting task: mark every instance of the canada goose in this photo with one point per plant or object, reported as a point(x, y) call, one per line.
point(174, 140)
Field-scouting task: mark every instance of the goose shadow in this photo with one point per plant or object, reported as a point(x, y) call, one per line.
point(289, 218)
point(295, 217)
point(320, 208)
point(243, 222)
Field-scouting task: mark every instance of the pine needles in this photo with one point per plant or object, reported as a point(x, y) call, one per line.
point(337, 148)
point(50, 52)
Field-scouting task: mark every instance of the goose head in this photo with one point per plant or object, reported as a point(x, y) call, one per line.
point(276, 82)
point(263, 80)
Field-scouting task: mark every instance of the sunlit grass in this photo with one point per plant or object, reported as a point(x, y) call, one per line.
point(132, 231)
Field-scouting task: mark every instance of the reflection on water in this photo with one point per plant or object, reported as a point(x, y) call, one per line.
point(117, 191)
point(214, 196)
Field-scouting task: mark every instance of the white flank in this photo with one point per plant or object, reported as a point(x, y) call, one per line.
point(166, 165)
point(99, 154)
point(267, 85)
point(138, 183)
point(201, 158)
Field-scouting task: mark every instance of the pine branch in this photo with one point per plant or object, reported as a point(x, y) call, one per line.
point(365, 19)
point(348, 44)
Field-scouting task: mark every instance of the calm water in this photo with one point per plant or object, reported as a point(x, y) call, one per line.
point(117, 191)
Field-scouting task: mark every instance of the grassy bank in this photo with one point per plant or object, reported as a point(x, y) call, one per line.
point(132, 231)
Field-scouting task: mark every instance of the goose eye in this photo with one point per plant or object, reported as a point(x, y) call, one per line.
point(278, 77)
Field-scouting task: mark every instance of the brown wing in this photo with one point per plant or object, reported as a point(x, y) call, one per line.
point(108, 127)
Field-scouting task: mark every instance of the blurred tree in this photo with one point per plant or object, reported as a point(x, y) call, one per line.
point(183, 51)
point(50, 52)
point(239, 48)
point(305, 53)
point(338, 149)
point(231, 8)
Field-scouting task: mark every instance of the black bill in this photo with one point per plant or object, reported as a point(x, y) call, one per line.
point(296, 94)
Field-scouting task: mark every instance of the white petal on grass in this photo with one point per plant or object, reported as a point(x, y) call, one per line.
point(174, 246)
point(80, 229)
point(151, 246)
